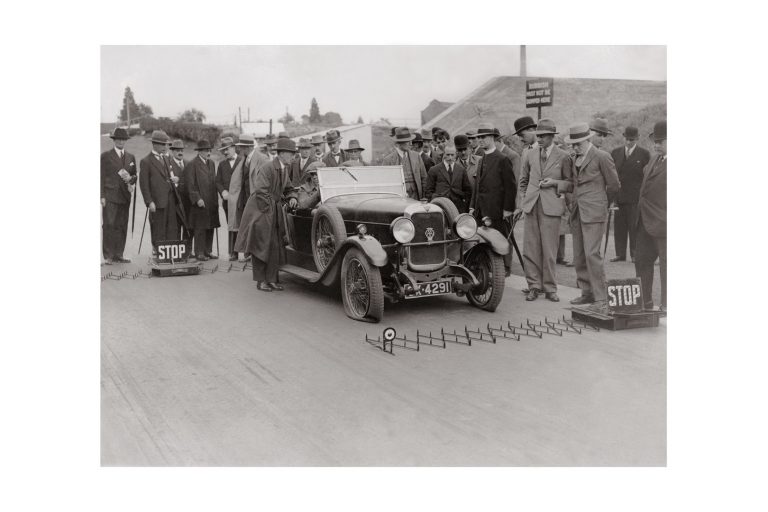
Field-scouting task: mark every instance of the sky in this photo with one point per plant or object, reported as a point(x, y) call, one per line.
point(393, 82)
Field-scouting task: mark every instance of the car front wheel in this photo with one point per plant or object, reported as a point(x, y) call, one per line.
point(488, 267)
point(361, 288)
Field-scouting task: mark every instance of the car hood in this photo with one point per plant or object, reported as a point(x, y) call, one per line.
point(382, 208)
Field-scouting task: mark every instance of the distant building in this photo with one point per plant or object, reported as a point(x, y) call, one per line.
point(434, 109)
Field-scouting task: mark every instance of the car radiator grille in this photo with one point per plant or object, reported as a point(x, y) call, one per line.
point(428, 254)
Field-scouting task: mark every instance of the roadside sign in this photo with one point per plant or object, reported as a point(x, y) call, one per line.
point(625, 295)
point(539, 93)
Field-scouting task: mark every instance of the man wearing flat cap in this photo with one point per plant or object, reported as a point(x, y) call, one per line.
point(204, 214)
point(335, 156)
point(118, 178)
point(630, 160)
point(544, 180)
point(595, 182)
point(223, 179)
point(652, 219)
point(262, 227)
point(158, 188)
point(413, 166)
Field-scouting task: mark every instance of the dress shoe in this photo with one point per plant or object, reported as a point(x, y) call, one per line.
point(233, 257)
point(525, 290)
point(619, 259)
point(552, 296)
point(202, 258)
point(507, 272)
point(264, 287)
point(532, 295)
point(108, 261)
point(122, 260)
point(212, 256)
point(276, 286)
point(599, 306)
point(584, 299)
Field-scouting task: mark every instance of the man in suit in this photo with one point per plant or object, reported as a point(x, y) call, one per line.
point(449, 179)
point(204, 216)
point(525, 128)
point(178, 166)
point(158, 188)
point(594, 182)
point(599, 127)
point(318, 147)
point(544, 179)
point(418, 146)
point(652, 219)
point(495, 188)
point(513, 157)
point(466, 158)
point(427, 153)
point(223, 179)
point(300, 165)
point(354, 153)
point(474, 145)
point(630, 160)
point(270, 143)
point(118, 178)
point(335, 156)
point(413, 167)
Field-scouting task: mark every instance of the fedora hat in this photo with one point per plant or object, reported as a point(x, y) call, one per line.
point(317, 139)
point(486, 129)
point(119, 134)
point(177, 144)
point(417, 138)
point(471, 135)
point(546, 127)
point(245, 140)
point(286, 145)
point(521, 123)
point(659, 132)
point(392, 131)
point(578, 132)
point(160, 137)
point(304, 144)
point(461, 141)
point(270, 139)
point(600, 125)
point(225, 143)
point(631, 132)
point(354, 145)
point(403, 134)
point(426, 134)
point(332, 136)
point(203, 145)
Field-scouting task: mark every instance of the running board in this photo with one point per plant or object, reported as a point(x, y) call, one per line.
point(303, 273)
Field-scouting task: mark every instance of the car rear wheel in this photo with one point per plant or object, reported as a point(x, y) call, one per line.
point(328, 233)
point(488, 267)
point(361, 288)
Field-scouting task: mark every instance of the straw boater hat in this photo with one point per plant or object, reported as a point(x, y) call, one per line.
point(203, 145)
point(631, 133)
point(426, 134)
point(659, 131)
point(471, 135)
point(600, 125)
point(177, 144)
point(160, 137)
point(286, 145)
point(245, 140)
point(354, 145)
point(546, 127)
point(403, 134)
point(577, 133)
point(304, 144)
point(317, 139)
point(332, 136)
point(486, 129)
point(461, 142)
point(119, 134)
point(226, 142)
point(521, 123)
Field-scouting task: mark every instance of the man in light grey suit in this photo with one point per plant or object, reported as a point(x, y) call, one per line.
point(413, 166)
point(594, 181)
point(544, 179)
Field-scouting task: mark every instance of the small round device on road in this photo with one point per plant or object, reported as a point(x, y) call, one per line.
point(389, 334)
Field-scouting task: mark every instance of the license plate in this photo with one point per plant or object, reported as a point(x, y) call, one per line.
point(441, 287)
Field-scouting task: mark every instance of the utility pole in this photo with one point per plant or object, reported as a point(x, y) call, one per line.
point(523, 70)
point(249, 114)
point(128, 111)
point(240, 114)
point(270, 126)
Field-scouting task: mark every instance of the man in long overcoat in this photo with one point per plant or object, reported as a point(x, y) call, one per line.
point(223, 179)
point(204, 213)
point(118, 178)
point(178, 167)
point(262, 227)
point(652, 220)
point(413, 166)
point(158, 188)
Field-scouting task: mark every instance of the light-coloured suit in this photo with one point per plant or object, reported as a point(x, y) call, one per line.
point(543, 209)
point(471, 166)
point(594, 181)
point(414, 164)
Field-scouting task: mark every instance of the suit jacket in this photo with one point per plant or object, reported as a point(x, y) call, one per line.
point(329, 161)
point(182, 188)
point(428, 161)
point(251, 169)
point(113, 188)
point(652, 204)
point(630, 172)
point(456, 187)
point(415, 163)
point(495, 187)
point(296, 171)
point(558, 168)
point(202, 185)
point(516, 165)
point(155, 180)
point(593, 184)
point(224, 175)
point(471, 168)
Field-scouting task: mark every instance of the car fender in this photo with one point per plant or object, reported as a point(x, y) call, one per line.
point(494, 238)
point(368, 245)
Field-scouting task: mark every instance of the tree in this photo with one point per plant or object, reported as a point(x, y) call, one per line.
point(314, 112)
point(287, 118)
point(136, 111)
point(359, 120)
point(145, 110)
point(192, 115)
point(332, 119)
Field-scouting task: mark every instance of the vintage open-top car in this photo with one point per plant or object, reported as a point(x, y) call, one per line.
point(369, 236)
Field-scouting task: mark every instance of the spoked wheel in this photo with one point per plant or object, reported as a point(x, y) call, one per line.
point(488, 267)
point(327, 235)
point(361, 288)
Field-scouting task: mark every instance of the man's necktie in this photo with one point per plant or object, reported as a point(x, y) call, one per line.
point(543, 158)
point(450, 171)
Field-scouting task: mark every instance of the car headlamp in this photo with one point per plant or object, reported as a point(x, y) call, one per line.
point(465, 226)
point(403, 230)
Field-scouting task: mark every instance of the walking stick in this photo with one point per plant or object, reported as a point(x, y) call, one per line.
point(218, 252)
point(511, 239)
point(133, 219)
point(146, 213)
point(607, 231)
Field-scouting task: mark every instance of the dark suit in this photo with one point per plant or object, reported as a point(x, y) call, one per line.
point(630, 173)
point(330, 161)
point(201, 184)
point(428, 162)
point(516, 165)
point(296, 171)
point(179, 170)
point(223, 178)
point(156, 187)
point(652, 228)
point(117, 196)
point(454, 186)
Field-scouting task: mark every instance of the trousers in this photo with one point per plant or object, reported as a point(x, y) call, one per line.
point(590, 274)
point(114, 229)
point(540, 241)
point(625, 226)
point(203, 242)
point(648, 249)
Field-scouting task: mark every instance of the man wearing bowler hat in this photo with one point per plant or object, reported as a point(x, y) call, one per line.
point(413, 166)
point(544, 180)
point(525, 128)
point(223, 179)
point(465, 157)
point(652, 219)
point(158, 188)
point(594, 182)
point(335, 156)
point(630, 160)
point(262, 227)
point(599, 127)
point(204, 214)
point(118, 178)
point(495, 187)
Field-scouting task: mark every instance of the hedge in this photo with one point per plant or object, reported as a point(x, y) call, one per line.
point(182, 130)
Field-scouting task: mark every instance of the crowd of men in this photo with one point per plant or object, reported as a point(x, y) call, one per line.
point(559, 185)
